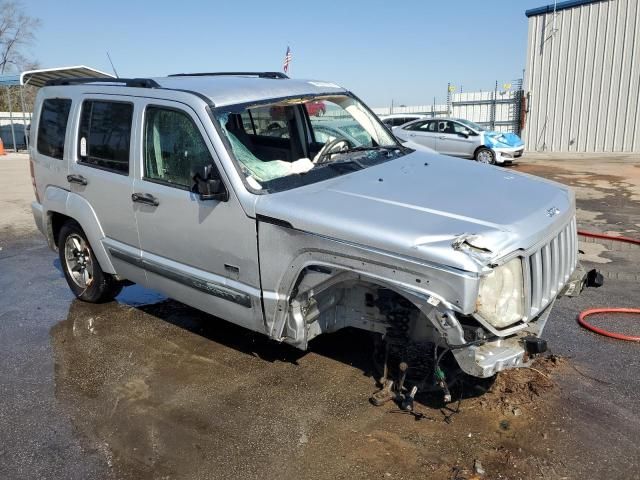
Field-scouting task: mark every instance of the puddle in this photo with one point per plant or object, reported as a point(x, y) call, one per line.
point(137, 295)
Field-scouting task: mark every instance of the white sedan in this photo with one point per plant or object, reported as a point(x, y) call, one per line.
point(462, 138)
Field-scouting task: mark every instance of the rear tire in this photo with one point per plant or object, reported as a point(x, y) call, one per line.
point(81, 268)
point(485, 155)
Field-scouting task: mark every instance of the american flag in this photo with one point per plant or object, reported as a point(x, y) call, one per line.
point(287, 60)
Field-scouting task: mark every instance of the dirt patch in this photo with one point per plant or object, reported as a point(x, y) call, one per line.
point(517, 388)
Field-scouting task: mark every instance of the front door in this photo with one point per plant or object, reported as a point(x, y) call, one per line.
point(201, 252)
point(102, 174)
point(454, 139)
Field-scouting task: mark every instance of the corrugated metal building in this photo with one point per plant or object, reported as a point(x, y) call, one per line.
point(583, 77)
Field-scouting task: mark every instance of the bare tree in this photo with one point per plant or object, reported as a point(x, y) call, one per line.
point(17, 31)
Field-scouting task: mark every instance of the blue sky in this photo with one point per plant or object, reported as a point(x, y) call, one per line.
point(381, 50)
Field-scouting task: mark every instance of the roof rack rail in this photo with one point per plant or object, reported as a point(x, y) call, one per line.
point(278, 75)
point(127, 82)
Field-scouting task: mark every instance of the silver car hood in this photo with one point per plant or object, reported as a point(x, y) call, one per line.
point(429, 207)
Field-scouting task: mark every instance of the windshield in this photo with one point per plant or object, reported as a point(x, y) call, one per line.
point(288, 143)
point(472, 125)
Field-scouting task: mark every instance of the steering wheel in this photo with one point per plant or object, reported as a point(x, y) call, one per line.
point(334, 146)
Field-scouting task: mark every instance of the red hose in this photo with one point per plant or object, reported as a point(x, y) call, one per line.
point(609, 237)
point(601, 331)
point(592, 311)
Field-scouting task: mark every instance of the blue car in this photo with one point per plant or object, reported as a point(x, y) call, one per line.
point(462, 138)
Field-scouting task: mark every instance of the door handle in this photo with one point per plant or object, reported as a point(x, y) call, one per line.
point(442, 137)
point(145, 198)
point(412, 134)
point(79, 179)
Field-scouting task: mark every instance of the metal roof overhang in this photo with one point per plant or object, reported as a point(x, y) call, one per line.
point(558, 6)
point(38, 78)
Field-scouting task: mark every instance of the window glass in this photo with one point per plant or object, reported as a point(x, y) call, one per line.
point(52, 127)
point(105, 134)
point(247, 122)
point(337, 122)
point(272, 121)
point(429, 127)
point(458, 128)
point(417, 126)
point(174, 150)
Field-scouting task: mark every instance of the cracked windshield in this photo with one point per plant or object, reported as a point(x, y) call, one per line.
point(290, 143)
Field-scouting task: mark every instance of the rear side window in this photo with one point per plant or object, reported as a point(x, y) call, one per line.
point(174, 150)
point(52, 127)
point(105, 135)
point(417, 126)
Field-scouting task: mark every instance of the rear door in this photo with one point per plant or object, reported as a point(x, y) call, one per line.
point(103, 172)
point(423, 133)
point(201, 252)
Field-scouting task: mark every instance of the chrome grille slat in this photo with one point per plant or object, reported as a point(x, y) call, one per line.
point(555, 266)
point(536, 282)
point(564, 257)
point(546, 273)
point(550, 268)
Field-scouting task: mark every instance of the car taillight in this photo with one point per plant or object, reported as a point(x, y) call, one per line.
point(33, 180)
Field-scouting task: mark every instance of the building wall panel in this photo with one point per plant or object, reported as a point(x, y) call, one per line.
point(583, 78)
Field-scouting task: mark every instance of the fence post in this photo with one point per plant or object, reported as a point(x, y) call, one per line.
point(24, 118)
point(13, 133)
point(492, 114)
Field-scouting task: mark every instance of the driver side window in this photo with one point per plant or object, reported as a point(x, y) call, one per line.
point(458, 128)
point(173, 147)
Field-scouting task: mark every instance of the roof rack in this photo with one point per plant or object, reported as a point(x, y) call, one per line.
point(127, 82)
point(277, 75)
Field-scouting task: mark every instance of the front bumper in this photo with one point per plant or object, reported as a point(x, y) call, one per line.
point(492, 357)
point(509, 352)
point(508, 154)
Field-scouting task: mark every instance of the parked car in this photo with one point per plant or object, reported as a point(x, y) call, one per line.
point(316, 108)
point(397, 119)
point(169, 183)
point(462, 138)
point(20, 132)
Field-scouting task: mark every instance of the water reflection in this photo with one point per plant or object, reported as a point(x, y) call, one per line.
point(162, 388)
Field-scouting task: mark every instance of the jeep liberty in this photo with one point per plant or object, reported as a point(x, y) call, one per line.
point(221, 191)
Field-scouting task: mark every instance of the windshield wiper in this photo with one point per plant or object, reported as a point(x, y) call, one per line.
point(350, 161)
point(364, 148)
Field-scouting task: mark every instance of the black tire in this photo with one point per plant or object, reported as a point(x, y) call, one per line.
point(485, 155)
point(86, 279)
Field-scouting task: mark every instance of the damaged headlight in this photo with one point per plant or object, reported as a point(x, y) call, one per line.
point(501, 295)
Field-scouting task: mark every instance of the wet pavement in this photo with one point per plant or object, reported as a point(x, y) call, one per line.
point(146, 387)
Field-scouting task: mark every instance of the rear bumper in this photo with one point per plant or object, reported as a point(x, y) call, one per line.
point(38, 217)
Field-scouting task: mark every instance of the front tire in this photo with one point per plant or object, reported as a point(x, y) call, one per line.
point(81, 268)
point(485, 155)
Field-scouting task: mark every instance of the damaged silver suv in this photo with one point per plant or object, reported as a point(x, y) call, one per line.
point(222, 191)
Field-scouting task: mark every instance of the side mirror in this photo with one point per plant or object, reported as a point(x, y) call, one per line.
point(464, 134)
point(208, 184)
